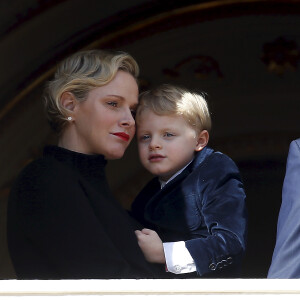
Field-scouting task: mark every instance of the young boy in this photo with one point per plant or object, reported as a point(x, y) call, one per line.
point(194, 209)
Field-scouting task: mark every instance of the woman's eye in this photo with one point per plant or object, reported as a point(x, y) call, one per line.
point(133, 113)
point(113, 103)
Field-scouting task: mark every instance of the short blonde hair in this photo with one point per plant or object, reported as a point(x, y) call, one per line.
point(168, 99)
point(79, 74)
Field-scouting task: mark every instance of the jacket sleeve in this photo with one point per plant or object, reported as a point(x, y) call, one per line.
point(286, 256)
point(53, 215)
point(224, 213)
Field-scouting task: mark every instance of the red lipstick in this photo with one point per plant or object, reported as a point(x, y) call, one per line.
point(124, 136)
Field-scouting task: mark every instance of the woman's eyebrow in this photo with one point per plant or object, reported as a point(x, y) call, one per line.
point(116, 96)
point(121, 98)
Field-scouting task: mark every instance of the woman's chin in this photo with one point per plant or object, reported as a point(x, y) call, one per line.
point(114, 155)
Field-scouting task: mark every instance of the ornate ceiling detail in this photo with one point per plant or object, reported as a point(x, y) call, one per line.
point(281, 56)
point(130, 27)
point(115, 31)
point(201, 66)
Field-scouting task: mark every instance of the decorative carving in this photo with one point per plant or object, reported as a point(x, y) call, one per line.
point(281, 55)
point(200, 65)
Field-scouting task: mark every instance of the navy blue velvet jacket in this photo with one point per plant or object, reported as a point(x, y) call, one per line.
point(203, 206)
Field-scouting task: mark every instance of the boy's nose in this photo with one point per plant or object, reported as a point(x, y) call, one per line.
point(154, 145)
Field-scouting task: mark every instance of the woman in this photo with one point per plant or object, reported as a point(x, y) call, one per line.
point(63, 221)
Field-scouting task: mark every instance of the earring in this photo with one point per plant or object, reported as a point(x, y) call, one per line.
point(69, 118)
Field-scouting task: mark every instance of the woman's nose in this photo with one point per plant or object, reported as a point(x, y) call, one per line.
point(128, 120)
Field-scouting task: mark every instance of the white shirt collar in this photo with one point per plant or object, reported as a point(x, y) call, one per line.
point(163, 183)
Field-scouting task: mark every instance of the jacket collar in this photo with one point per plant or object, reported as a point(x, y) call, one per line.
point(197, 161)
point(154, 202)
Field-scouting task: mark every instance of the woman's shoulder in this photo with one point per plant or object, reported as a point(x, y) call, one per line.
point(41, 173)
point(44, 185)
point(39, 168)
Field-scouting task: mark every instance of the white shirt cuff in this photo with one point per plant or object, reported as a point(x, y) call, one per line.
point(178, 258)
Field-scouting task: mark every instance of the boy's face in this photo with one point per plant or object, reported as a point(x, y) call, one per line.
point(166, 143)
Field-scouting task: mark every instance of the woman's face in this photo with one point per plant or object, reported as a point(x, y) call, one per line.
point(103, 122)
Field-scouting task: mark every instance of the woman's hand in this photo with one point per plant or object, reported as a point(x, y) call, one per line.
point(151, 245)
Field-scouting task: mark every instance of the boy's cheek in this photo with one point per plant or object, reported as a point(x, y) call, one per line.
point(141, 148)
point(142, 153)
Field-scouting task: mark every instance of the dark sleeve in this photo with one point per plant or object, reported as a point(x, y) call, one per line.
point(141, 200)
point(223, 209)
point(50, 213)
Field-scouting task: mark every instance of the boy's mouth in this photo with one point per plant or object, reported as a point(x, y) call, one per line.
point(155, 157)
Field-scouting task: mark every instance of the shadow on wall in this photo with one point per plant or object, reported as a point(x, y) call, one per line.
point(263, 184)
point(6, 267)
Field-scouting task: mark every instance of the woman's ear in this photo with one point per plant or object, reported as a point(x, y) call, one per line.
point(68, 101)
point(202, 140)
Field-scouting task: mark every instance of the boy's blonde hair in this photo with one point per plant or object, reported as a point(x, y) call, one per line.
point(168, 99)
point(79, 74)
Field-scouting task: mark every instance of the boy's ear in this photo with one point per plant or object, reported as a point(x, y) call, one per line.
point(202, 140)
point(68, 101)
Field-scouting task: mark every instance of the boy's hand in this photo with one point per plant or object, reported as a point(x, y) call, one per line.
point(151, 245)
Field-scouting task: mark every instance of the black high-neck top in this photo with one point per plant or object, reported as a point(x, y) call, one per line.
point(91, 167)
point(64, 223)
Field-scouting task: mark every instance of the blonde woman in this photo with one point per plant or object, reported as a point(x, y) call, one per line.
point(63, 221)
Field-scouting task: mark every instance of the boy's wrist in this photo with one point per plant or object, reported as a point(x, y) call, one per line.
point(178, 258)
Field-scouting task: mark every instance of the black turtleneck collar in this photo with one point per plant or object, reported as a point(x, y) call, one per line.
point(89, 165)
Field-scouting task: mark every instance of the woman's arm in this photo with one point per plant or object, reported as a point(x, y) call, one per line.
point(52, 222)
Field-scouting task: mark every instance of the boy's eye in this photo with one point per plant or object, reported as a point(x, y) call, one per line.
point(113, 103)
point(169, 134)
point(145, 137)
